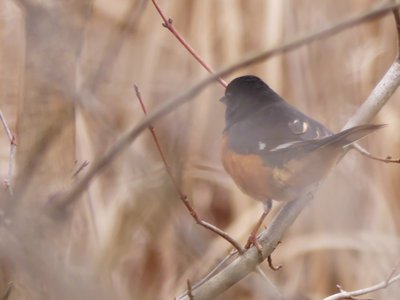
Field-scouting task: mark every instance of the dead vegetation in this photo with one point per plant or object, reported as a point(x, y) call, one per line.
point(67, 92)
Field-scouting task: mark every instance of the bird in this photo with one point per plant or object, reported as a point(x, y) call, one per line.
point(272, 150)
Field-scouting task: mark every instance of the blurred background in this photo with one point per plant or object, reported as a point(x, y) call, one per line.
point(67, 76)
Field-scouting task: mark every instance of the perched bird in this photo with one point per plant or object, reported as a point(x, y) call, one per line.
point(272, 150)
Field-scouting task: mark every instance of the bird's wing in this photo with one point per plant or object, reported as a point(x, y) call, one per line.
point(274, 128)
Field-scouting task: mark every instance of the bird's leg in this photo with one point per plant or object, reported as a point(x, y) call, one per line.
point(253, 236)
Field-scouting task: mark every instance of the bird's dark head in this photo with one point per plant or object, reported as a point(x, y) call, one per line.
point(245, 95)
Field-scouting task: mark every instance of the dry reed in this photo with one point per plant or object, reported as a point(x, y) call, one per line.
point(130, 237)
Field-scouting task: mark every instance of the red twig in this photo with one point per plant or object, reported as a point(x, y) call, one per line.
point(397, 19)
point(182, 195)
point(167, 23)
point(13, 146)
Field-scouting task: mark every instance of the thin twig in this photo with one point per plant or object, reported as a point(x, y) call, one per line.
point(167, 23)
point(161, 153)
point(380, 286)
point(183, 196)
point(364, 152)
point(393, 272)
point(80, 169)
point(11, 159)
point(340, 288)
point(6, 128)
point(172, 103)
point(397, 20)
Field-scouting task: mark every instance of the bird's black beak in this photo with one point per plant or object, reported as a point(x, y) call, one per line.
point(224, 99)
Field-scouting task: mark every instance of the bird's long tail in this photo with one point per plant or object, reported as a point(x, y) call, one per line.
point(351, 135)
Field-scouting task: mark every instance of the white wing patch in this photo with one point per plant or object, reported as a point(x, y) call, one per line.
point(298, 127)
point(284, 146)
point(305, 126)
point(261, 146)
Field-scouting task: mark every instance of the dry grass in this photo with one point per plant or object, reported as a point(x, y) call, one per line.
point(130, 237)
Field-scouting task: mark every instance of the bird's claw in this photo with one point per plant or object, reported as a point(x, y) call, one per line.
point(252, 240)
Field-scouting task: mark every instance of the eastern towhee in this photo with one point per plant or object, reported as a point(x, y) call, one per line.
point(272, 150)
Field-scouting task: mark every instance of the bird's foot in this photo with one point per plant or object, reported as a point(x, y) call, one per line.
point(252, 240)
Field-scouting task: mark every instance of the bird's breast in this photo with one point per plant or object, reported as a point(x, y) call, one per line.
point(262, 179)
point(254, 177)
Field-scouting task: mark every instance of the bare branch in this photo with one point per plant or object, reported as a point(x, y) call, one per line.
point(364, 152)
point(172, 103)
point(183, 197)
point(247, 262)
point(380, 286)
point(216, 269)
point(156, 141)
point(168, 24)
point(6, 128)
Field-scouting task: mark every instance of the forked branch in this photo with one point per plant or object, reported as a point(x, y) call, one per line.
point(380, 286)
point(167, 23)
